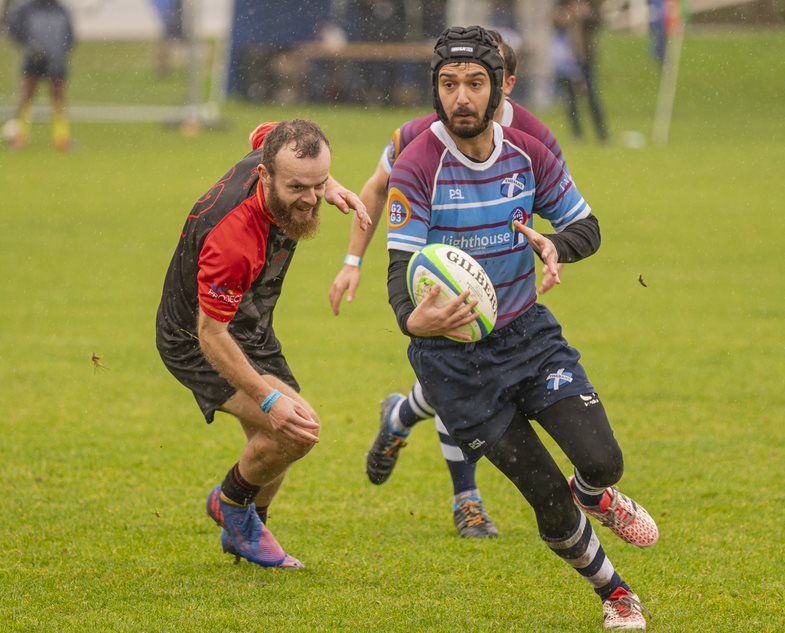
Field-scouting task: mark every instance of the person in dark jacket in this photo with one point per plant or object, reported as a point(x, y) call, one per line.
point(44, 31)
point(578, 22)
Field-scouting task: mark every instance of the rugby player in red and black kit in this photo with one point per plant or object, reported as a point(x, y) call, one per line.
point(214, 328)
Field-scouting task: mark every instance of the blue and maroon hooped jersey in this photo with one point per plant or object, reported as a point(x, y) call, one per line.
point(514, 116)
point(438, 195)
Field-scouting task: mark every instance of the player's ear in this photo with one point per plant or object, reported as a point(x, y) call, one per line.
point(263, 173)
point(509, 84)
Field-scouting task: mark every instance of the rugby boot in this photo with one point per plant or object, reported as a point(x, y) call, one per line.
point(624, 611)
point(381, 459)
point(471, 519)
point(269, 544)
point(623, 516)
point(245, 536)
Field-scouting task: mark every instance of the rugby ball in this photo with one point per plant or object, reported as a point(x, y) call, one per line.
point(11, 129)
point(454, 271)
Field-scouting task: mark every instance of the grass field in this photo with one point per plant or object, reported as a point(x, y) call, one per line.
point(105, 471)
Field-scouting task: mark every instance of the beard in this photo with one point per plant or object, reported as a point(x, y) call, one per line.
point(295, 228)
point(467, 128)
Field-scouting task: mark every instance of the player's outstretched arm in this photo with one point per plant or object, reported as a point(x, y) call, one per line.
point(373, 195)
point(578, 240)
point(286, 416)
point(546, 250)
point(339, 196)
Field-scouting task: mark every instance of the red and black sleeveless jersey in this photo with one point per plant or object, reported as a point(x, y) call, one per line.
point(231, 261)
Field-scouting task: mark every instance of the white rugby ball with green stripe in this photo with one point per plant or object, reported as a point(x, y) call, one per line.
point(454, 271)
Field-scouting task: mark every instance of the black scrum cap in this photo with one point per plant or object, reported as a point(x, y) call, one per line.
point(470, 44)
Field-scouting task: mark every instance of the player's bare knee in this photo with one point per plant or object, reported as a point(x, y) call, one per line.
point(259, 445)
point(279, 448)
point(296, 449)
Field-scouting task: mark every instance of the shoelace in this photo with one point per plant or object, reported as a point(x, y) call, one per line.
point(392, 450)
point(473, 511)
point(616, 514)
point(625, 605)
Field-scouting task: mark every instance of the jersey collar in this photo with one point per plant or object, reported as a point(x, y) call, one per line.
point(439, 130)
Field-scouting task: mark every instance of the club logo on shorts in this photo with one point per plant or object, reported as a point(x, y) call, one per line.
point(589, 399)
point(519, 214)
point(476, 444)
point(399, 211)
point(559, 378)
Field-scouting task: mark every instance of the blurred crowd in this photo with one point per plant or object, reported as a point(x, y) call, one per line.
point(374, 52)
point(555, 41)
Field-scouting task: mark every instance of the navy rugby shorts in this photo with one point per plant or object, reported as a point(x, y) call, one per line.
point(42, 65)
point(477, 388)
point(188, 364)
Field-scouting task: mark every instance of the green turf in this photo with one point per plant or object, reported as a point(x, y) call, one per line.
point(105, 470)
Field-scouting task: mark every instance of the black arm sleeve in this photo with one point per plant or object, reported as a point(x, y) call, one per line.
point(577, 241)
point(397, 290)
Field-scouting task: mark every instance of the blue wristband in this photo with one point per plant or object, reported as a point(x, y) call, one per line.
point(270, 400)
point(353, 260)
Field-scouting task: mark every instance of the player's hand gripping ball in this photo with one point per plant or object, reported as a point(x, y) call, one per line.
point(454, 271)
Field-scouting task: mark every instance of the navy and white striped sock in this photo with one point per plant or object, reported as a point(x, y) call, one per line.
point(589, 496)
point(582, 550)
point(412, 410)
point(463, 472)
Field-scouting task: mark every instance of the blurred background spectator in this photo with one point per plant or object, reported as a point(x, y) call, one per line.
point(264, 32)
point(382, 82)
point(568, 78)
point(172, 36)
point(578, 25)
point(44, 32)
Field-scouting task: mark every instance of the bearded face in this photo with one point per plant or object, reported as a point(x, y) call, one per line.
point(297, 218)
point(465, 122)
point(464, 92)
point(294, 191)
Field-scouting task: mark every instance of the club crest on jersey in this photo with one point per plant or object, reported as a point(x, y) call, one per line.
point(399, 211)
point(558, 379)
point(519, 214)
point(513, 185)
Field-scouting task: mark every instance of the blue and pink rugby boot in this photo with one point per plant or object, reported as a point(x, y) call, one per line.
point(245, 536)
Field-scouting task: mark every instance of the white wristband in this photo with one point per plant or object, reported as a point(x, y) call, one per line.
point(353, 260)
